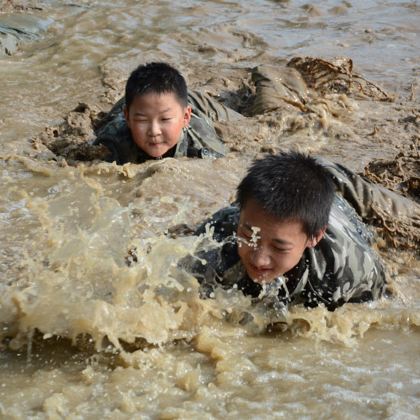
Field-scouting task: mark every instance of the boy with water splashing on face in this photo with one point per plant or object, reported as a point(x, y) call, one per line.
point(292, 232)
point(158, 118)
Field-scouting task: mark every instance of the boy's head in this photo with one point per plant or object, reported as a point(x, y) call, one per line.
point(156, 107)
point(285, 202)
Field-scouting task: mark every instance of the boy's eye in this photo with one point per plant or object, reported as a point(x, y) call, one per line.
point(244, 234)
point(166, 118)
point(281, 250)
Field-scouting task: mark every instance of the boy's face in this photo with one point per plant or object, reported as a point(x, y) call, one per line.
point(269, 247)
point(156, 122)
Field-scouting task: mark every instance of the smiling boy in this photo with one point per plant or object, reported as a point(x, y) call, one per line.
point(158, 118)
point(293, 228)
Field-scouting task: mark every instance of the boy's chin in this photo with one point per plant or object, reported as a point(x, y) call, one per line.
point(157, 152)
point(261, 279)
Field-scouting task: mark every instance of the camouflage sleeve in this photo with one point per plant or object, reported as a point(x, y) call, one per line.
point(224, 223)
point(368, 199)
point(203, 141)
point(210, 262)
point(16, 29)
point(113, 132)
point(204, 104)
point(110, 129)
point(277, 87)
point(112, 156)
point(115, 113)
point(110, 135)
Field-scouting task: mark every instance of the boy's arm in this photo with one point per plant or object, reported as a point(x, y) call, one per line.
point(204, 104)
point(204, 141)
point(109, 130)
point(224, 223)
point(116, 110)
point(371, 201)
point(208, 265)
point(116, 137)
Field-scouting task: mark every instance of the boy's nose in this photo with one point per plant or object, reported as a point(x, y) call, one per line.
point(154, 128)
point(260, 257)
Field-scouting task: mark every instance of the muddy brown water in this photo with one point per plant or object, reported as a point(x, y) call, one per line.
point(86, 336)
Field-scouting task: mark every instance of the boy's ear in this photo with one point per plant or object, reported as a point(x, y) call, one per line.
point(125, 111)
point(187, 115)
point(315, 239)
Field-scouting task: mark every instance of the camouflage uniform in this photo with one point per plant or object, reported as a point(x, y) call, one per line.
point(341, 268)
point(199, 140)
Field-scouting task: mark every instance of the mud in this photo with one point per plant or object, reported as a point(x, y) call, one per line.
point(401, 174)
point(83, 333)
point(277, 101)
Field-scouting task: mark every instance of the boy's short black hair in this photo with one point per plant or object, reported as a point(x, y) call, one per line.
point(156, 78)
point(290, 185)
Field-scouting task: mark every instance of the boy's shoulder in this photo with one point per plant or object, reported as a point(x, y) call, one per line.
point(343, 266)
point(203, 140)
point(116, 137)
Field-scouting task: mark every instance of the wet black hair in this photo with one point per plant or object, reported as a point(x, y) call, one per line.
point(156, 78)
point(290, 186)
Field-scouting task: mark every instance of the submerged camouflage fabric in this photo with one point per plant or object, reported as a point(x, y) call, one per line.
point(200, 140)
point(17, 28)
point(341, 268)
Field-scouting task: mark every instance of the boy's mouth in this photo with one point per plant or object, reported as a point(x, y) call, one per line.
point(260, 275)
